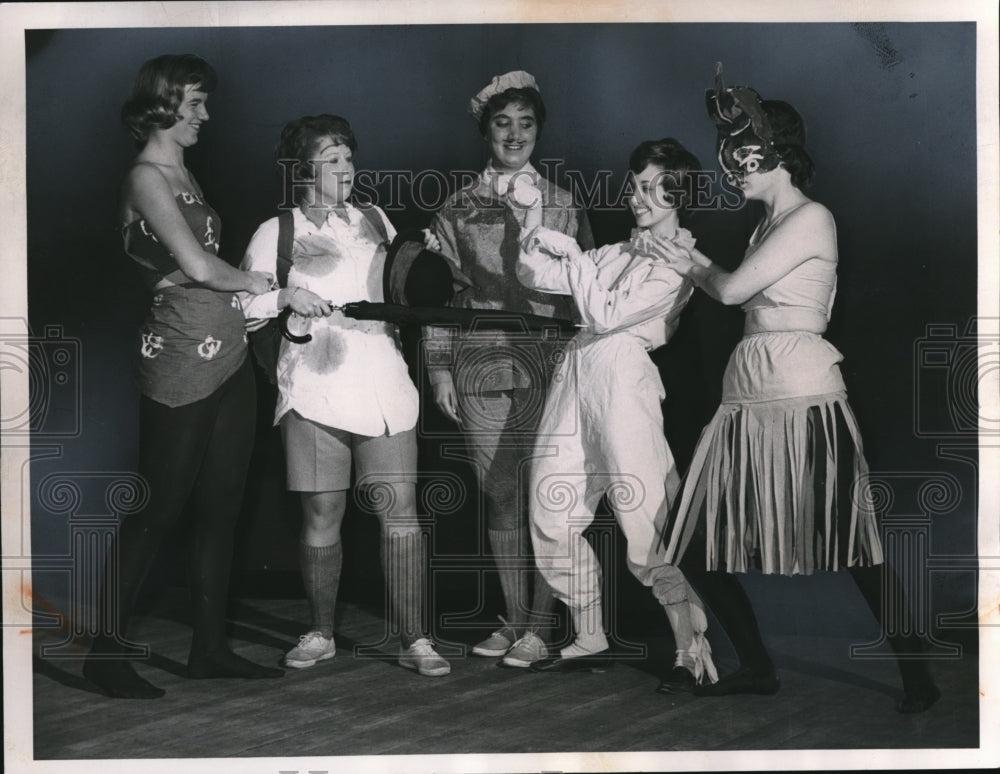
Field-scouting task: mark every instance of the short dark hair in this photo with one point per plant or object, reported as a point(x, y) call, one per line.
point(676, 161)
point(159, 92)
point(789, 140)
point(525, 97)
point(299, 140)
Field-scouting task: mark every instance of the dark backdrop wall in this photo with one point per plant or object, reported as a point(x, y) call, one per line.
point(890, 111)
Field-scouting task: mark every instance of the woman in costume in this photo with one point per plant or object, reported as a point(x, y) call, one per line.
point(780, 468)
point(492, 384)
point(602, 429)
point(346, 395)
point(196, 419)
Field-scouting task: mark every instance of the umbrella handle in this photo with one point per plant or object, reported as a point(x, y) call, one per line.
point(283, 325)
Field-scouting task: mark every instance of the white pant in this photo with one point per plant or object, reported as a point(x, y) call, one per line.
point(602, 432)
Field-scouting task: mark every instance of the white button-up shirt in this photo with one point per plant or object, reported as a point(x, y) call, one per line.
point(352, 375)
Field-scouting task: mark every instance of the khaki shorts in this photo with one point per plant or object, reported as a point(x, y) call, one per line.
point(318, 458)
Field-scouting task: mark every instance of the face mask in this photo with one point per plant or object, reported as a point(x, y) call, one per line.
point(745, 141)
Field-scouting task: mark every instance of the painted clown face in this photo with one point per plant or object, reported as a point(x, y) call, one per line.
point(744, 144)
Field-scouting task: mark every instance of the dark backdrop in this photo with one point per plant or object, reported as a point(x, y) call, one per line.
point(890, 110)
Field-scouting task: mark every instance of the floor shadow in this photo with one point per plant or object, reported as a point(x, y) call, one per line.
point(833, 673)
point(167, 665)
point(77, 682)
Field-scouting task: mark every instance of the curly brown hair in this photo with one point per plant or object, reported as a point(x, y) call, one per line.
point(298, 142)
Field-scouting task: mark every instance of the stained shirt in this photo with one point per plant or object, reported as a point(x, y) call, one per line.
point(480, 234)
point(616, 288)
point(352, 375)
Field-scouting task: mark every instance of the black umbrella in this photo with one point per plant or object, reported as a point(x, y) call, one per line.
point(466, 319)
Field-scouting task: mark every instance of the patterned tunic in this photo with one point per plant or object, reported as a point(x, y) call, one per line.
point(193, 337)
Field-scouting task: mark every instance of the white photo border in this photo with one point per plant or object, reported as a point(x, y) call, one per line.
point(17, 645)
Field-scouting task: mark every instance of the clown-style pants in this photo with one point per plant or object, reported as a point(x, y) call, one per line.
point(602, 433)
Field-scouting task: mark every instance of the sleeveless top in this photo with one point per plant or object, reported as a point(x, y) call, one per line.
point(193, 337)
point(792, 364)
point(810, 285)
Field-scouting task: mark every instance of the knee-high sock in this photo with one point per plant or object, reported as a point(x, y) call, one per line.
point(543, 605)
point(506, 546)
point(543, 602)
point(321, 566)
point(511, 552)
point(406, 580)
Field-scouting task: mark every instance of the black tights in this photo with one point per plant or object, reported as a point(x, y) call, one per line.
point(877, 585)
point(200, 452)
point(723, 593)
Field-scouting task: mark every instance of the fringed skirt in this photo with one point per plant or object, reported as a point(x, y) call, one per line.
point(779, 479)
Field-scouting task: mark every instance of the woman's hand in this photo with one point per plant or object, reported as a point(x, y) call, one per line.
point(525, 196)
point(258, 282)
point(431, 242)
point(446, 399)
point(676, 257)
point(305, 303)
point(555, 243)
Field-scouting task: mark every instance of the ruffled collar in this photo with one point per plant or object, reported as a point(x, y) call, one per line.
point(497, 181)
point(641, 236)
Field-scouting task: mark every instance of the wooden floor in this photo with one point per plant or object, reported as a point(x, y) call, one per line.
point(354, 705)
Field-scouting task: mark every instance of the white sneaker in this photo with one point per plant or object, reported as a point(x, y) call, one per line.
point(526, 651)
point(422, 657)
point(312, 647)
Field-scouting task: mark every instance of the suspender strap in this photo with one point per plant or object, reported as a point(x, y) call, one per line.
point(374, 219)
point(286, 237)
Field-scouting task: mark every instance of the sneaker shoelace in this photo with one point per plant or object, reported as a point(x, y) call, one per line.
point(506, 628)
point(422, 647)
point(527, 640)
point(309, 637)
